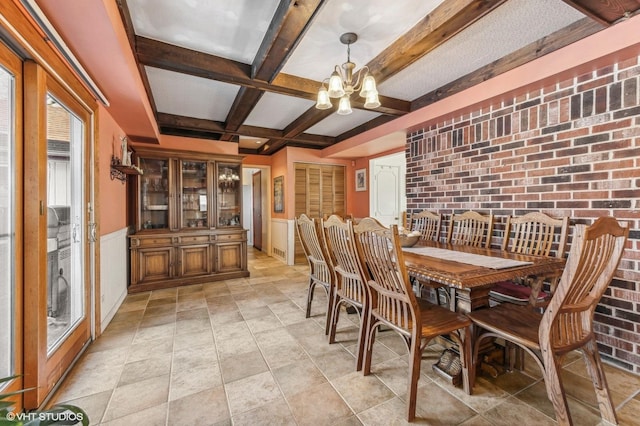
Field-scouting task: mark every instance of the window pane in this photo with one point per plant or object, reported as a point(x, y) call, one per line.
point(7, 224)
point(65, 215)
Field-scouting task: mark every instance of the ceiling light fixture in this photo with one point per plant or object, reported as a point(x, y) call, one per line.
point(342, 84)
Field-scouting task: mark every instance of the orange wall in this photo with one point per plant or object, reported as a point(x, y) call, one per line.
point(200, 145)
point(112, 211)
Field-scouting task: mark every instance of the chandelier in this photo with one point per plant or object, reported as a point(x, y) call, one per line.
point(343, 83)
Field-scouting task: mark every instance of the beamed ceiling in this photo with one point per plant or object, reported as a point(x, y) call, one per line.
point(248, 71)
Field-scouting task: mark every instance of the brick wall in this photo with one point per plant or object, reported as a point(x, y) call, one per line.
point(572, 148)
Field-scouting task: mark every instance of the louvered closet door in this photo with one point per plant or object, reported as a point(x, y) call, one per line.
point(319, 192)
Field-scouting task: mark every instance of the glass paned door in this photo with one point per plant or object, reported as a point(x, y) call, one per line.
point(65, 216)
point(7, 223)
point(194, 194)
point(154, 193)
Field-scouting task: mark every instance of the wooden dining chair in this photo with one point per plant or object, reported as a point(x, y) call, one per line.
point(567, 323)
point(394, 305)
point(320, 271)
point(470, 229)
point(350, 288)
point(535, 234)
point(427, 223)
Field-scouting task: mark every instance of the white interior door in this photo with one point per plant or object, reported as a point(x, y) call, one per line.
point(388, 188)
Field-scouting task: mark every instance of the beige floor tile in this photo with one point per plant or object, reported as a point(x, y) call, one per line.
point(171, 300)
point(93, 405)
point(362, 392)
point(130, 399)
point(136, 371)
point(284, 354)
point(155, 332)
point(169, 308)
point(152, 416)
point(204, 408)
point(336, 363)
point(439, 407)
point(276, 412)
point(188, 382)
point(252, 392)
point(513, 411)
point(391, 412)
point(298, 377)
point(140, 351)
point(193, 340)
point(243, 365)
point(190, 359)
point(307, 410)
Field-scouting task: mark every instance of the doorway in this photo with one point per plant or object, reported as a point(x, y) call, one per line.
point(388, 197)
point(57, 176)
point(256, 206)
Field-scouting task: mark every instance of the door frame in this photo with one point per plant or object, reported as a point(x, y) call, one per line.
point(45, 371)
point(397, 159)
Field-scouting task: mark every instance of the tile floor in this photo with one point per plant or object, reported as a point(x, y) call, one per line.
point(241, 352)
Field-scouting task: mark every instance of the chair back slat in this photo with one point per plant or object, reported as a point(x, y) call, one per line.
point(344, 258)
point(391, 293)
point(536, 234)
point(427, 223)
point(314, 248)
point(594, 258)
point(470, 228)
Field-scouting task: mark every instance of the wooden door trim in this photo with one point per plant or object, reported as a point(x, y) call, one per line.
point(37, 84)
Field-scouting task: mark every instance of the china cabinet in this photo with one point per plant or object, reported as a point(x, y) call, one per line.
point(188, 219)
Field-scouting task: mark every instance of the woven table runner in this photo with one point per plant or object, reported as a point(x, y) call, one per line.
point(468, 258)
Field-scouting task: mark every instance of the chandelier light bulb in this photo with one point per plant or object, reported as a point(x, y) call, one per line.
point(324, 102)
point(368, 86)
point(335, 85)
point(344, 107)
point(372, 100)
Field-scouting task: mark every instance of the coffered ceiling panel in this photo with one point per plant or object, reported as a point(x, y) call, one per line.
point(277, 111)
point(376, 22)
point(335, 124)
point(482, 43)
point(182, 94)
point(230, 29)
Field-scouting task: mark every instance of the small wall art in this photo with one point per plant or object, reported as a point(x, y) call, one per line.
point(361, 180)
point(278, 194)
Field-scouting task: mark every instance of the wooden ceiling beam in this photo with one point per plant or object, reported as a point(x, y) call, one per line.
point(290, 22)
point(179, 59)
point(438, 27)
point(171, 121)
point(444, 22)
point(243, 104)
point(606, 12)
point(561, 38)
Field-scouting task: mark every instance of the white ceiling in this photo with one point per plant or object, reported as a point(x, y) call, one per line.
point(235, 30)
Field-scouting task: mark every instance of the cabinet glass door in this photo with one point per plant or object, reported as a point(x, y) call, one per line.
point(228, 189)
point(194, 194)
point(154, 193)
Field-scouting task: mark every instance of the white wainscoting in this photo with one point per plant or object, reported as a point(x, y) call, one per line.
point(114, 248)
point(282, 240)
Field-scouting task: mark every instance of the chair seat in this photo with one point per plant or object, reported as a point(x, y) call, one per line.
point(438, 320)
point(509, 291)
point(516, 323)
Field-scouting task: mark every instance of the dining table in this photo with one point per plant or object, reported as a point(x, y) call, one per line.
point(473, 271)
point(470, 273)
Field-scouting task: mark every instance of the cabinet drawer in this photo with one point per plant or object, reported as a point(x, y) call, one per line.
point(146, 242)
point(230, 237)
point(194, 239)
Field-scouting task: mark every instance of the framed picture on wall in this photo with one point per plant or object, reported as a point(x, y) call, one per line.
point(278, 194)
point(361, 180)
